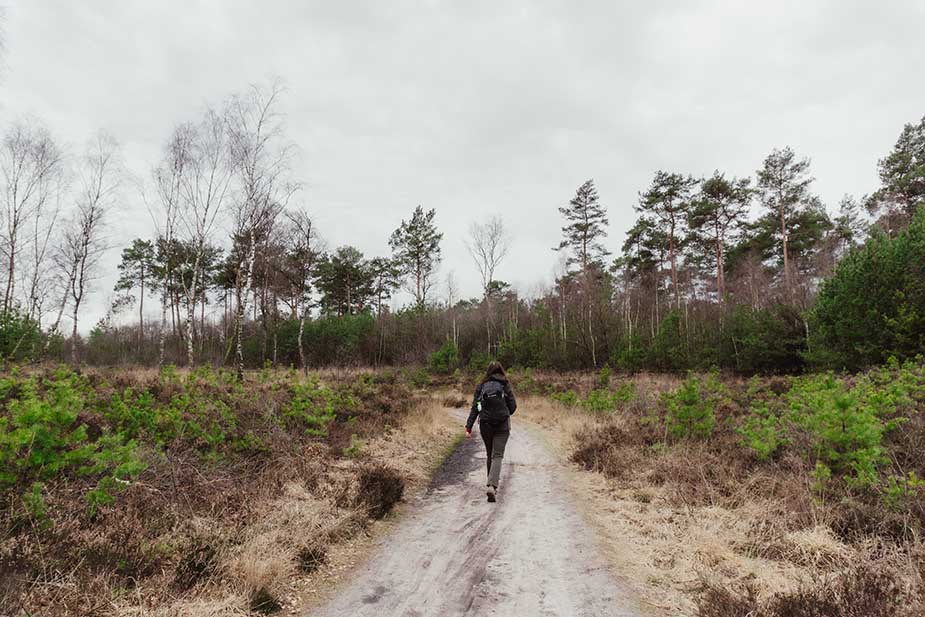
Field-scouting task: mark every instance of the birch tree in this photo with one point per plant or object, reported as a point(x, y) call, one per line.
point(260, 159)
point(304, 248)
point(84, 243)
point(488, 244)
point(31, 165)
point(169, 179)
point(203, 188)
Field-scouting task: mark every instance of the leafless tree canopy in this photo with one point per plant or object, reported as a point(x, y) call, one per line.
point(488, 244)
point(31, 164)
point(84, 240)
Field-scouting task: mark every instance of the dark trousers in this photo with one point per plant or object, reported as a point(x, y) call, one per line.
point(495, 437)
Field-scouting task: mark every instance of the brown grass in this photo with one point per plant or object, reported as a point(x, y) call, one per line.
point(861, 591)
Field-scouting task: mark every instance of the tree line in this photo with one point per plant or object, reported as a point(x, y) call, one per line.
point(741, 273)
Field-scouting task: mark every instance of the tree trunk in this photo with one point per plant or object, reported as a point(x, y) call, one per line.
point(162, 336)
point(784, 241)
point(141, 309)
point(75, 359)
point(242, 304)
point(190, 320)
point(10, 271)
point(301, 344)
point(674, 268)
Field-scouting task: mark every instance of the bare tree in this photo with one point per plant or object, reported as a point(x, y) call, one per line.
point(169, 183)
point(204, 186)
point(39, 277)
point(452, 296)
point(304, 248)
point(31, 164)
point(260, 158)
point(84, 243)
point(488, 244)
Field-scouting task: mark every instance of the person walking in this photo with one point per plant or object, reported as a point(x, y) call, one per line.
point(493, 405)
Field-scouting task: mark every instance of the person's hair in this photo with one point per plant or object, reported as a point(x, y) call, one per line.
point(494, 368)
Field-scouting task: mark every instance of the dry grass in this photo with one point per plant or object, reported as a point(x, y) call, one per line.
point(419, 443)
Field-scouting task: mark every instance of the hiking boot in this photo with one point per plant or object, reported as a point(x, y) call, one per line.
point(490, 491)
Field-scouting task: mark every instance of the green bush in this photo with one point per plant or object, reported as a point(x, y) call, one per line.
point(42, 438)
point(601, 400)
point(692, 407)
point(630, 354)
point(569, 398)
point(845, 423)
point(763, 431)
point(314, 406)
point(603, 377)
point(873, 306)
point(20, 336)
point(479, 360)
point(668, 351)
point(445, 360)
point(763, 340)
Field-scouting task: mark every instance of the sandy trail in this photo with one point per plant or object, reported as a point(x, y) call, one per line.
point(455, 554)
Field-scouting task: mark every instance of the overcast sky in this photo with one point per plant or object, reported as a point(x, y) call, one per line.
point(479, 108)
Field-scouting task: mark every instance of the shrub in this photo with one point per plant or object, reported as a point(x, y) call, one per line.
point(873, 306)
point(763, 431)
point(603, 378)
point(764, 340)
point(445, 360)
point(314, 406)
point(692, 407)
point(355, 449)
point(602, 400)
point(863, 591)
point(42, 438)
point(845, 424)
point(569, 398)
point(20, 336)
point(379, 489)
point(669, 351)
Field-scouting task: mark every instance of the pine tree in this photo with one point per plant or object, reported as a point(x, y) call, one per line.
point(721, 206)
point(902, 174)
point(136, 268)
point(346, 282)
point(587, 226)
point(784, 184)
point(386, 279)
point(416, 250)
point(850, 227)
point(668, 201)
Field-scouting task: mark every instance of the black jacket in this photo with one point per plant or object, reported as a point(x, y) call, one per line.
point(509, 399)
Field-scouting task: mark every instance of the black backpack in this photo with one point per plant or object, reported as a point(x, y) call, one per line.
point(494, 405)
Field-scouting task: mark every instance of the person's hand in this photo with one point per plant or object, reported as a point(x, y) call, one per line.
point(468, 434)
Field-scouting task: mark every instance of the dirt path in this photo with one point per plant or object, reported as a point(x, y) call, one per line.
point(455, 554)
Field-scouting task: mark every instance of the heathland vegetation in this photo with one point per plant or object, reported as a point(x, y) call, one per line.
point(127, 491)
point(792, 333)
point(771, 496)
